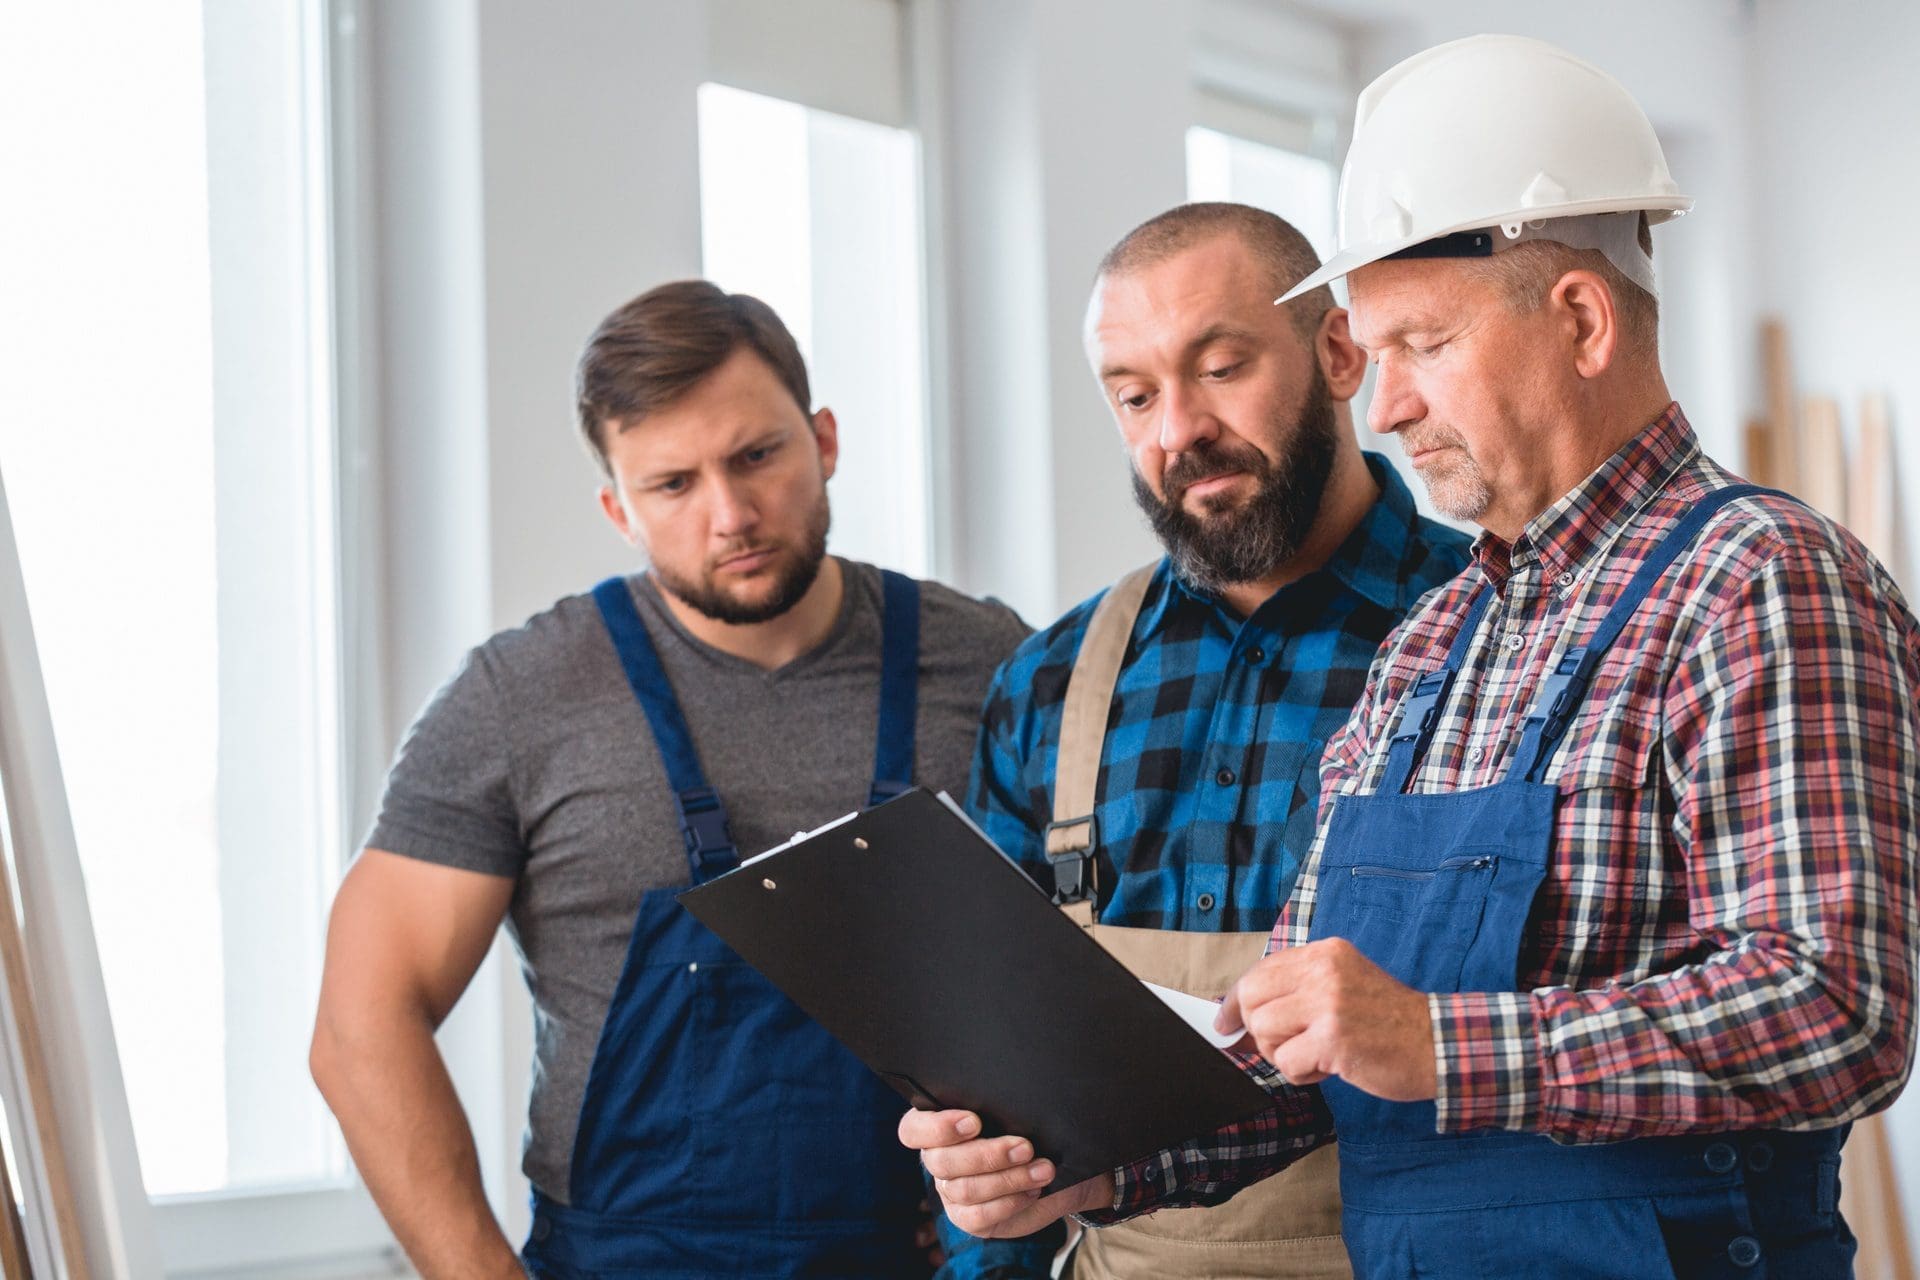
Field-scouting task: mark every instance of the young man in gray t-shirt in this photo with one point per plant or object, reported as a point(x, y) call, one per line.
point(534, 788)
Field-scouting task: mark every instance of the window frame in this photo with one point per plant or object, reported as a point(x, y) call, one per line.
point(326, 1228)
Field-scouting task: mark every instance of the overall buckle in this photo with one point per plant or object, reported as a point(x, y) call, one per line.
point(1072, 867)
point(703, 824)
point(1422, 706)
point(884, 791)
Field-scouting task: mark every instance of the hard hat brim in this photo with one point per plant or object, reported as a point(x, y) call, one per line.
point(1363, 255)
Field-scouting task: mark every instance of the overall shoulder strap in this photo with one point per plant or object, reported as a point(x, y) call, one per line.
point(703, 820)
point(1566, 684)
point(1073, 836)
point(1419, 713)
point(899, 686)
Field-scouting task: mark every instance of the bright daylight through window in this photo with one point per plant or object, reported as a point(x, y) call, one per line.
point(792, 198)
point(1298, 188)
point(166, 440)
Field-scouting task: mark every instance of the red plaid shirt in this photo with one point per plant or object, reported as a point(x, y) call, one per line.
point(1724, 939)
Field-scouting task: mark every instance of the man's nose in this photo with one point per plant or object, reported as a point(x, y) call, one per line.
point(1395, 402)
point(733, 511)
point(1186, 420)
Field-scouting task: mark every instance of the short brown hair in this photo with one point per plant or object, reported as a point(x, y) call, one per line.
point(657, 347)
point(1274, 242)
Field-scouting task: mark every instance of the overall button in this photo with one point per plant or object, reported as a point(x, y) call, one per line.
point(1204, 902)
point(1256, 655)
point(1721, 1158)
point(1744, 1251)
point(1224, 777)
point(541, 1229)
point(1760, 1157)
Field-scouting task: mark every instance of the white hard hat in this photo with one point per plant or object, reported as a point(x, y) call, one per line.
point(1491, 132)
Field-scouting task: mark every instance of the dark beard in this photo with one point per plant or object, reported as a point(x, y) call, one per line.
point(1247, 543)
point(797, 573)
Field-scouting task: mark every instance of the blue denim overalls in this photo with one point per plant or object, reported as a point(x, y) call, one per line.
point(1436, 889)
point(723, 1133)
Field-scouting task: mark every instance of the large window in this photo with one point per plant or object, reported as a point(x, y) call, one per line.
point(168, 439)
point(817, 214)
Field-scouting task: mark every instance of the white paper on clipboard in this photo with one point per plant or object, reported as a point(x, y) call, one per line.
point(1196, 1013)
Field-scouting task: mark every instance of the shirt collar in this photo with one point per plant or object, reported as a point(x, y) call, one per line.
point(1567, 533)
point(1372, 561)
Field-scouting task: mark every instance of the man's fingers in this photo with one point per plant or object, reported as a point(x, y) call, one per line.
point(1228, 1017)
point(1022, 1181)
point(1299, 1059)
point(924, 1130)
point(1271, 977)
point(1278, 1021)
point(1020, 1215)
point(981, 1157)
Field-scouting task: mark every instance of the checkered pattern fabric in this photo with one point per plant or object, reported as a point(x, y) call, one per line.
point(1210, 777)
point(1725, 938)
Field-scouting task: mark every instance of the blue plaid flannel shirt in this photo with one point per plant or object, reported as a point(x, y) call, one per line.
point(1210, 777)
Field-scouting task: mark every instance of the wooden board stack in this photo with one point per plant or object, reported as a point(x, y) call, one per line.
point(1799, 445)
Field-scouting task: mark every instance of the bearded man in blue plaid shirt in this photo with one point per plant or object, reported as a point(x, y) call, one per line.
point(1290, 555)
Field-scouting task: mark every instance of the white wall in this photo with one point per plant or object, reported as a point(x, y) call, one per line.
point(1836, 188)
point(1053, 155)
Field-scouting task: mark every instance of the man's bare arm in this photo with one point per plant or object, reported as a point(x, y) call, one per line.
point(405, 939)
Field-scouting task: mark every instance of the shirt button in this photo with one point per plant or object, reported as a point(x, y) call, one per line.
point(1565, 579)
point(1224, 777)
point(1744, 1251)
point(1515, 642)
point(1477, 754)
point(1204, 902)
point(1256, 655)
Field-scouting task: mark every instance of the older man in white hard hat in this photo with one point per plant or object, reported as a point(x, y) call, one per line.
point(1607, 931)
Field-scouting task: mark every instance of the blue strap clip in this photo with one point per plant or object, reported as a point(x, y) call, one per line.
point(703, 823)
point(1422, 707)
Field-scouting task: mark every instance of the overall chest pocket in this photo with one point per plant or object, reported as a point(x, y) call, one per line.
point(1420, 925)
point(1412, 895)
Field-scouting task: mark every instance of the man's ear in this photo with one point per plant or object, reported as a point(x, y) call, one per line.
point(826, 437)
point(1340, 357)
point(1589, 319)
point(616, 514)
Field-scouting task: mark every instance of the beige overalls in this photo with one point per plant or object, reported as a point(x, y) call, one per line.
point(1284, 1228)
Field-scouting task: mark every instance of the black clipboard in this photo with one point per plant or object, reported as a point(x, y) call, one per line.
point(927, 952)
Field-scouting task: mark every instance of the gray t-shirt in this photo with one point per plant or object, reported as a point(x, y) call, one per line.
point(536, 762)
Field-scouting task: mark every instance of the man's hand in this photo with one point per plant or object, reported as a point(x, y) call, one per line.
point(991, 1186)
point(1324, 1009)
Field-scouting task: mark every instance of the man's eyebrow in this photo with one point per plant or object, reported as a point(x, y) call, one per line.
point(1205, 338)
point(1221, 333)
point(1422, 323)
